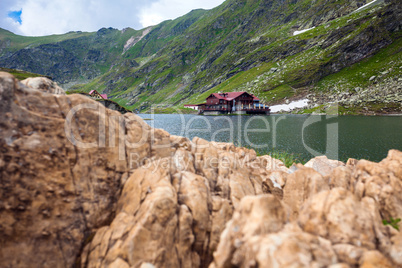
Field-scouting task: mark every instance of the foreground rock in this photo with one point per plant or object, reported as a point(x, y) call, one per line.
point(64, 161)
point(335, 221)
point(172, 210)
point(85, 186)
point(43, 84)
point(53, 192)
point(323, 165)
point(254, 218)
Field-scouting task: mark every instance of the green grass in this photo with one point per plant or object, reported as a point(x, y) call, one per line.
point(70, 92)
point(366, 108)
point(94, 84)
point(19, 42)
point(358, 74)
point(319, 109)
point(118, 102)
point(172, 110)
point(280, 92)
point(302, 68)
point(371, 108)
point(237, 82)
point(287, 158)
point(21, 75)
point(392, 222)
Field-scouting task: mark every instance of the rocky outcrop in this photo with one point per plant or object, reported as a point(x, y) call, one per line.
point(334, 220)
point(301, 185)
point(382, 96)
point(82, 185)
point(334, 227)
point(53, 192)
point(255, 217)
point(44, 84)
point(323, 165)
point(75, 174)
point(173, 209)
point(110, 104)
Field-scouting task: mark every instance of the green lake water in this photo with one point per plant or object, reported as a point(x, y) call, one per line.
point(338, 137)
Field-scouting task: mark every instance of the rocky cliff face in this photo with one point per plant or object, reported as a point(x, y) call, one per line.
point(79, 57)
point(85, 186)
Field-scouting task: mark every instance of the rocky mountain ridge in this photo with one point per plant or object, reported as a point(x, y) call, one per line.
point(79, 193)
point(79, 56)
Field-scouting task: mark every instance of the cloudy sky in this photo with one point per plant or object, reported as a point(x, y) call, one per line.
point(44, 17)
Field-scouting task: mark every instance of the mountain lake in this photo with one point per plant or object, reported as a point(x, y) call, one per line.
point(337, 137)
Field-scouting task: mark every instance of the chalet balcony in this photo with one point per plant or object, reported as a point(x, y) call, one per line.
point(244, 108)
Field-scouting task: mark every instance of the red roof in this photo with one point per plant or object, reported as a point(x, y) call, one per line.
point(232, 95)
point(104, 96)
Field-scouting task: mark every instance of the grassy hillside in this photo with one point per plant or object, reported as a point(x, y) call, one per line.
point(78, 56)
point(21, 75)
point(13, 42)
point(219, 54)
point(240, 45)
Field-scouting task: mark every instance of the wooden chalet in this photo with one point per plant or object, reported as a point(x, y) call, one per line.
point(233, 103)
point(95, 94)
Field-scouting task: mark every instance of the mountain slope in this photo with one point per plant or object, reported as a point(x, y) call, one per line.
point(21, 75)
point(240, 45)
point(237, 45)
point(81, 56)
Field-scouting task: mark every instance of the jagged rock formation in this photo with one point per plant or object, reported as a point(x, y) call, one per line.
point(338, 221)
point(173, 209)
point(53, 192)
point(85, 186)
point(63, 173)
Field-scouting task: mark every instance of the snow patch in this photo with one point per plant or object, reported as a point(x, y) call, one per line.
point(366, 5)
point(288, 107)
point(305, 30)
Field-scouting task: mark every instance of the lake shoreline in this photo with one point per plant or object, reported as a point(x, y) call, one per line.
point(307, 106)
point(285, 113)
point(353, 136)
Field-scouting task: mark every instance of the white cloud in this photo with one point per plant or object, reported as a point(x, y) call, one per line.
point(44, 17)
point(7, 6)
point(170, 9)
point(151, 19)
